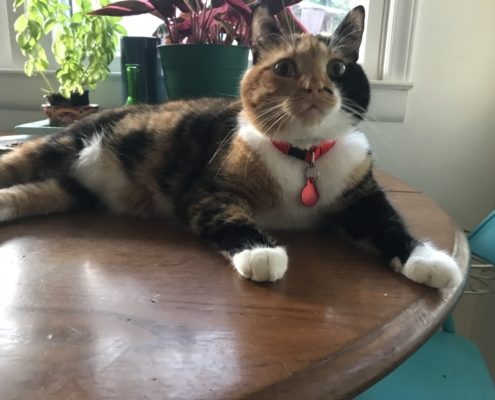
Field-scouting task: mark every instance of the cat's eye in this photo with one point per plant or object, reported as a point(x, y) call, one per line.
point(335, 68)
point(285, 68)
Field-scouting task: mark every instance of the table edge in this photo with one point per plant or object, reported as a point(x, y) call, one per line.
point(326, 379)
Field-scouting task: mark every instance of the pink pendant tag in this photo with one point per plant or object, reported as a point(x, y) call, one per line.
point(309, 194)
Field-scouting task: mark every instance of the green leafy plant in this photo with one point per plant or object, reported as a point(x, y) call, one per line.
point(83, 46)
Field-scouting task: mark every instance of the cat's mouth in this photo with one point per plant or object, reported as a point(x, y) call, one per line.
point(312, 113)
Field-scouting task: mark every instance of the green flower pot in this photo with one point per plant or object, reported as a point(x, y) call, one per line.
point(202, 70)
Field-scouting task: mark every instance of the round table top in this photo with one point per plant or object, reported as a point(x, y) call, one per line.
point(95, 306)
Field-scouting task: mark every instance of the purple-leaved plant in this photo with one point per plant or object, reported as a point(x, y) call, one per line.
point(205, 22)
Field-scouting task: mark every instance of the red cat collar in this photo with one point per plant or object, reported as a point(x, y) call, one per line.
point(309, 193)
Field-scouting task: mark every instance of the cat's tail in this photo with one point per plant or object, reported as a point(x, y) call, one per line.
point(38, 160)
point(53, 156)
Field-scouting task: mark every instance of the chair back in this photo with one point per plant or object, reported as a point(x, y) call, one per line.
point(482, 239)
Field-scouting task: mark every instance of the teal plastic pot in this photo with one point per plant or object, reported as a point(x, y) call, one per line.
point(202, 70)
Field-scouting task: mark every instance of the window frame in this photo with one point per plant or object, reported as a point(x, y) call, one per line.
point(391, 84)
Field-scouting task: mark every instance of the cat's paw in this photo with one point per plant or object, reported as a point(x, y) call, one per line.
point(430, 266)
point(261, 264)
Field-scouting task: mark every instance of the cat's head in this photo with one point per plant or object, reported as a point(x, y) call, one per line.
point(304, 88)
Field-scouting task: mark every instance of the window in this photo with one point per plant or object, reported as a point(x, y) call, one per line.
point(134, 25)
point(10, 56)
point(324, 16)
point(384, 54)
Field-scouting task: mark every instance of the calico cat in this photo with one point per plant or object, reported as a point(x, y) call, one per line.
point(286, 155)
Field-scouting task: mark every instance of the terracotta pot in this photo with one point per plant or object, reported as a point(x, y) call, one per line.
point(62, 111)
point(65, 115)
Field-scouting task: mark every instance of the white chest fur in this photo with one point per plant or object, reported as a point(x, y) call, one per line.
point(335, 169)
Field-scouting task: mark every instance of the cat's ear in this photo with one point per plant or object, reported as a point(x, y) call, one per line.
point(348, 35)
point(265, 31)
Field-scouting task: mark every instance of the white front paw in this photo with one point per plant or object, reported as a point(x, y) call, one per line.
point(432, 267)
point(261, 263)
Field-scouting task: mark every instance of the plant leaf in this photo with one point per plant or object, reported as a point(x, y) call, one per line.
point(22, 39)
point(48, 26)
point(77, 18)
point(35, 29)
point(17, 4)
point(120, 29)
point(187, 5)
point(29, 67)
point(65, 91)
point(217, 3)
point(123, 8)
point(166, 8)
point(21, 23)
point(241, 8)
point(58, 49)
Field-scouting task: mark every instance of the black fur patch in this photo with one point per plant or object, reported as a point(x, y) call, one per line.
point(370, 216)
point(84, 129)
point(194, 141)
point(132, 149)
point(51, 155)
point(217, 219)
point(234, 238)
point(81, 197)
point(355, 89)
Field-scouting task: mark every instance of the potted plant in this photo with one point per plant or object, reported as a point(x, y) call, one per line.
point(83, 46)
point(205, 42)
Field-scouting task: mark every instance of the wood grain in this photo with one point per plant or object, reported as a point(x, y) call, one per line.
point(95, 306)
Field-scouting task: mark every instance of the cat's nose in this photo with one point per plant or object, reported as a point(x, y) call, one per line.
point(315, 87)
point(318, 89)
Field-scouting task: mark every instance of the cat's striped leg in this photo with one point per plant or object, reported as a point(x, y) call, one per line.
point(371, 217)
point(45, 197)
point(225, 220)
point(38, 159)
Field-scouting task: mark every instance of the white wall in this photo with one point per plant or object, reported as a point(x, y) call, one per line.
point(446, 145)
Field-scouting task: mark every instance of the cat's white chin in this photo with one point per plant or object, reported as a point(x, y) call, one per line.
point(261, 264)
point(311, 116)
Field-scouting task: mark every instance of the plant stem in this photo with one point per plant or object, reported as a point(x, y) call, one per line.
point(47, 82)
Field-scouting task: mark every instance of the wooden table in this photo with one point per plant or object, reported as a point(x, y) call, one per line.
point(94, 306)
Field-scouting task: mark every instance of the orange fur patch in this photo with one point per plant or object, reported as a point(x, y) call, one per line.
point(33, 199)
point(271, 102)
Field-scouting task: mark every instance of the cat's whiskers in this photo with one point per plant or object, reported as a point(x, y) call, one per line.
point(269, 112)
point(268, 124)
point(266, 111)
point(227, 138)
point(338, 36)
point(268, 108)
point(278, 120)
point(253, 148)
point(267, 117)
point(264, 115)
point(283, 38)
point(338, 41)
point(355, 108)
point(292, 32)
point(374, 134)
point(352, 109)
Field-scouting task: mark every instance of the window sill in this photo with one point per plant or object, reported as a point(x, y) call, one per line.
point(388, 99)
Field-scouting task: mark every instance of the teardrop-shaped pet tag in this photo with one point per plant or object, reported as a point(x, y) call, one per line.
point(309, 194)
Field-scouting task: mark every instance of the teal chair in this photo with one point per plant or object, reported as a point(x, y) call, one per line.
point(448, 366)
